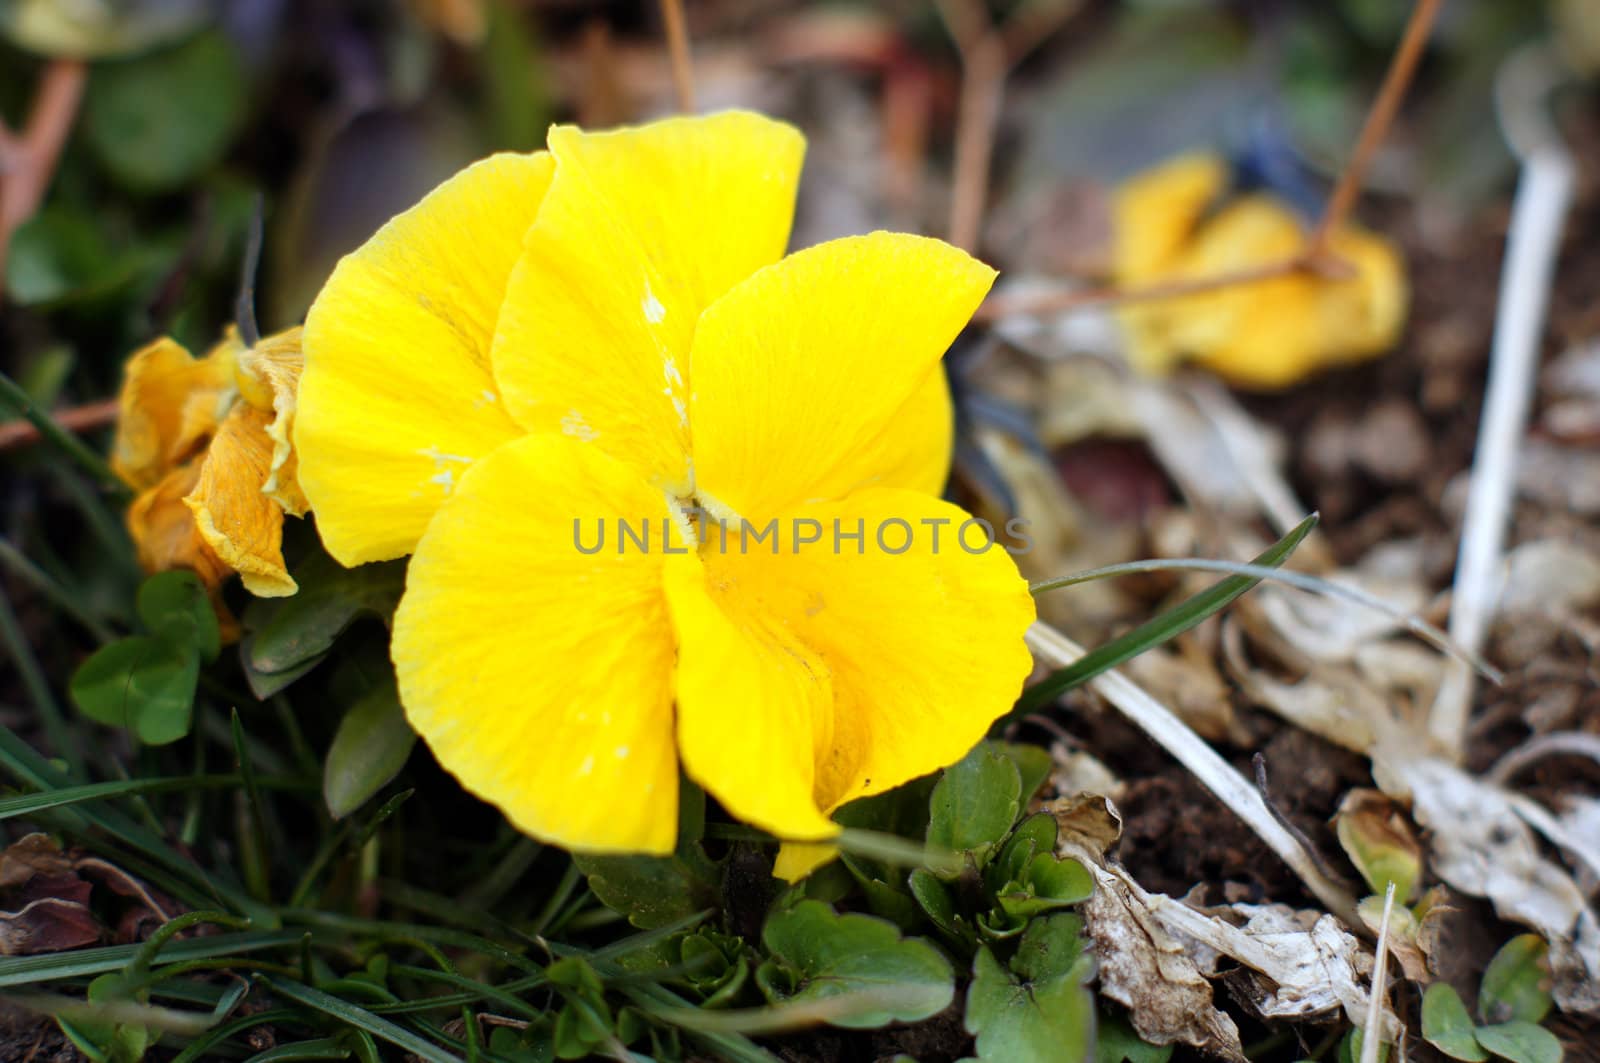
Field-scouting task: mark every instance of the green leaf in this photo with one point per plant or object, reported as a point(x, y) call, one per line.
point(1154, 632)
point(49, 967)
point(87, 31)
point(1447, 1026)
point(1350, 1047)
point(654, 891)
point(369, 749)
point(176, 609)
point(146, 683)
point(61, 254)
point(1016, 1021)
point(1117, 1041)
point(114, 1042)
point(1521, 1042)
point(1034, 835)
point(933, 897)
point(902, 812)
point(859, 962)
point(140, 683)
point(1050, 882)
point(975, 803)
point(1033, 765)
point(883, 899)
point(161, 119)
point(1050, 948)
point(1516, 984)
point(1379, 844)
point(289, 632)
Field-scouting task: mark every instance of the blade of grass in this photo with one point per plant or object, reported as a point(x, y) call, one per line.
point(76, 1010)
point(83, 963)
point(182, 878)
point(487, 891)
point(1419, 627)
point(391, 931)
point(1153, 632)
point(17, 400)
point(22, 566)
point(151, 947)
point(200, 1046)
point(360, 1018)
point(32, 804)
point(506, 1001)
point(55, 723)
point(316, 1048)
point(662, 1003)
point(254, 847)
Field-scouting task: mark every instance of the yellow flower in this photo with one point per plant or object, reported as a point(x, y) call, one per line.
point(206, 444)
point(1268, 333)
point(608, 334)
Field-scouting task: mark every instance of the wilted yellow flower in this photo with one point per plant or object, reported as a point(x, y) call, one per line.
point(206, 444)
point(558, 347)
point(1170, 228)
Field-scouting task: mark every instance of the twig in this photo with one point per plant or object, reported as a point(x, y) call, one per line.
point(14, 398)
point(1214, 773)
point(1055, 300)
point(1538, 214)
point(988, 54)
point(27, 162)
point(678, 47)
point(1554, 744)
point(76, 419)
point(1372, 1035)
point(1395, 82)
point(1316, 256)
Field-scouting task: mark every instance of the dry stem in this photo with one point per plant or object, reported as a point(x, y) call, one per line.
point(988, 54)
point(678, 46)
point(77, 419)
point(28, 161)
point(1538, 218)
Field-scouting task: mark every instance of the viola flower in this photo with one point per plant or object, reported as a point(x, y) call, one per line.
point(609, 334)
point(1173, 224)
point(205, 443)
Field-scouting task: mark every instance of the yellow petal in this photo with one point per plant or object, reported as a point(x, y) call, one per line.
point(1365, 313)
point(642, 230)
point(796, 860)
point(170, 404)
point(397, 397)
point(921, 644)
point(237, 520)
point(1267, 324)
point(541, 675)
point(268, 375)
point(753, 701)
point(807, 375)
point(164, 533)
point(1155, 214)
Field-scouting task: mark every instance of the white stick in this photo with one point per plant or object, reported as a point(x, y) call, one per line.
point(1372, 1036)
point(1544, 192)
point(1216, 774)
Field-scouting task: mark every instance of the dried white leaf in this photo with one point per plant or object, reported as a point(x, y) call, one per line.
point(1482, 847)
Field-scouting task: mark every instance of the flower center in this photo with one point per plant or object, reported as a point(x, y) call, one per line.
point(702, 521)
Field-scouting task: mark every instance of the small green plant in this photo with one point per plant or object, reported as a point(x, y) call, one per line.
point(1513, 998)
